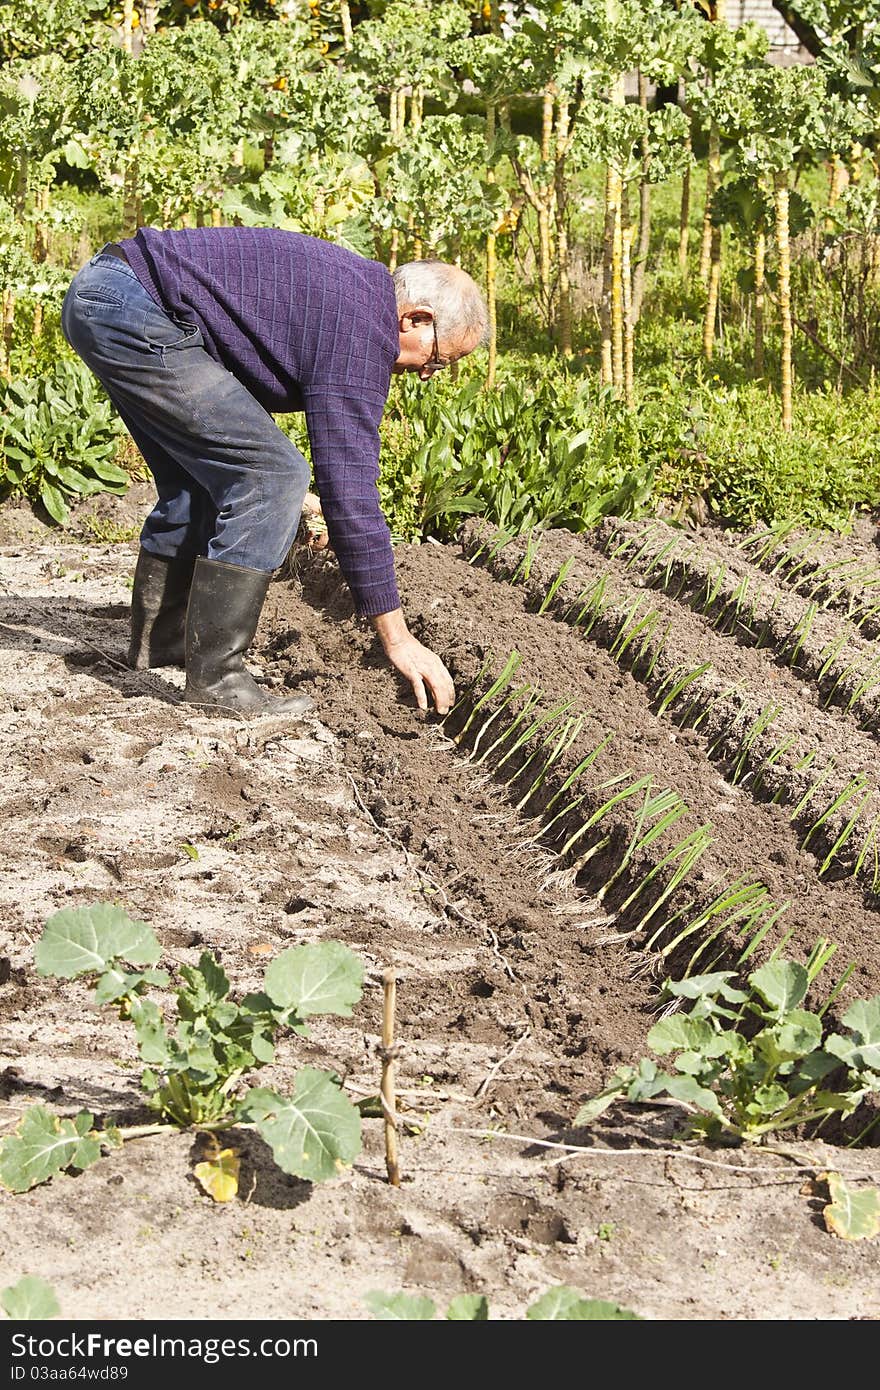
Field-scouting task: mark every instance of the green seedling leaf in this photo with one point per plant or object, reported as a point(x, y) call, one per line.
point(684, 1031)
point(696, 986)
point(322, 979)
point(782, 984)
point(862, 1050)
point(189, 850)
point(800, 1034)
point(117, 984)
point(44, 1145)
point(468, 1307)
point(207, 986)
point(853, 1213)
point(564, 1304)
point(400, 1307)
point(314, 1133)
point(30, 1300)
point(87, 940)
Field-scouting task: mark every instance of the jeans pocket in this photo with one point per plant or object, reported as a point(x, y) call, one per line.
point(98, 294)
point(162, 331)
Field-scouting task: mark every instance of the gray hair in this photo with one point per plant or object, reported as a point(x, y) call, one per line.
point(460, 312)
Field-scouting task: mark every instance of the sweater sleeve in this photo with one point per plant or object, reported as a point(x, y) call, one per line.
point(343, 425)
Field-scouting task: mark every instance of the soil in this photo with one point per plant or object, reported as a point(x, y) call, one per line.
point(525, 974)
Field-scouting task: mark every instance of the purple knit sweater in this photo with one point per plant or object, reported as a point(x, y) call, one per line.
point(304, 325)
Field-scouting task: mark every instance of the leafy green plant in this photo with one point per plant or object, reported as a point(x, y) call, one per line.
point(748, 1082)
point(559, 1304)
point(58, 439)
point(193, 1072)
point(31, 1299)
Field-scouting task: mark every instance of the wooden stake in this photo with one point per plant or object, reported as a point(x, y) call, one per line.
point(389, 1100)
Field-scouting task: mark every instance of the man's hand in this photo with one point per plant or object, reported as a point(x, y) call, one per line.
point(418, 664)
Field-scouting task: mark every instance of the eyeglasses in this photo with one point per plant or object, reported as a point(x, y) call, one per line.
point(433, 363)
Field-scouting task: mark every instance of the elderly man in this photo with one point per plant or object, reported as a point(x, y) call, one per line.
point(196, 336)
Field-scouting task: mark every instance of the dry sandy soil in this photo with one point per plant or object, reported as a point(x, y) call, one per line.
point(519, 992)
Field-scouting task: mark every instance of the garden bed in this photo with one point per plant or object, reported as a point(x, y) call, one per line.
point(530, 934)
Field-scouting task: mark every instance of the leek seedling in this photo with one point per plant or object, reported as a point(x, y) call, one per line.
point(758, 726)
point(679, 680)
point(800, 633)
point(714, 580)
point(851, 789)
point(812, 789)
point(685, 854)
point(557, 582)
point(495, 688)
point(665, 804)
point(524, 568)
point(532, 695)
point(593, 606)
point(602, 811)
point(645, 626)
point(869, 680)
point(564, 738)
point(830, 653)
point(870, 844)
point(845, 833)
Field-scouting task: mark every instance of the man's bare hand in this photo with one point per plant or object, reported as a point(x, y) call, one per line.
point(418, 664)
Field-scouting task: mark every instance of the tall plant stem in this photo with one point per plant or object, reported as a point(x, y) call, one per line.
point(491, 266)
point(712, 294)
point(545, 196)
point(628, 306)
point(783, 249)
point(644, 242)
point(713, 174)
point(617, 370)
point(127, 24)
point(760, 296)
point(7, 323)
point(564, 310)
point(606, 362)
point(345, 17)
point(684, 215)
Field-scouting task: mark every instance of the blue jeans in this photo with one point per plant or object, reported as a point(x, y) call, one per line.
point(230, 483)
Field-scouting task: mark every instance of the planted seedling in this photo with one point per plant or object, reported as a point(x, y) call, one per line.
point(559, 1304)
point(749, 1083)
point(194, 1068)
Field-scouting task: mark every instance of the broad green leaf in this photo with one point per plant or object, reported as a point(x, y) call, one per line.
point(321, 979)
point(314, 1133)
point(52, 499)
point(687, 1088)
point(400, 1307)
point(681, 1031)
point(715, 984)
point(863, 1017)
point(564, 1304)
point(116, 984)
point(468, 1307)
point(30, 1300)
point(799, 1034)
point(149, 1025)
point(854, 1212)
point(782, 984)
point(592, 1109)
point(44, 1145)
point(207, 985)
point(86, 940)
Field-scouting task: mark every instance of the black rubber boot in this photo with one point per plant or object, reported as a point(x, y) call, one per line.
point(225, 603)
point(158, 610)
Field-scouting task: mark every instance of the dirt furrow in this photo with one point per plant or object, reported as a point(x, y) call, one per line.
point(842, 572)
point(738, 599)
point(471, 619)
point(751, 717)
